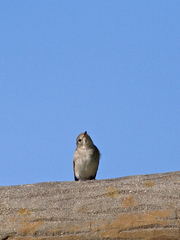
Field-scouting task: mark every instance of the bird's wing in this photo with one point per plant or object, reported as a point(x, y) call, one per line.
point(96, 157)
point(75, 178)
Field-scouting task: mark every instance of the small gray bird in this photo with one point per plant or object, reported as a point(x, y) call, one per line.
point(86, 158)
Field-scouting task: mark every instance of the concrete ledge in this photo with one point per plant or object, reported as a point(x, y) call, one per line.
point(134, 207)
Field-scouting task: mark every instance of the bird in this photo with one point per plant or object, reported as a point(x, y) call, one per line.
point(86, 158)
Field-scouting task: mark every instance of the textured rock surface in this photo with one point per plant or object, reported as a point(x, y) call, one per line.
point(135, 207)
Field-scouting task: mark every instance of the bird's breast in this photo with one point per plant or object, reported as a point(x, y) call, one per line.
point(85, 164)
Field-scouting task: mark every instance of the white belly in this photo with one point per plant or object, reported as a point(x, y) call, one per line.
point(85, 167)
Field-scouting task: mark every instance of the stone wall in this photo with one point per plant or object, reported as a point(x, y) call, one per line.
point(134, 207)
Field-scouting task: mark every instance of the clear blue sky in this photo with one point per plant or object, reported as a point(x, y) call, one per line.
point(111, 68)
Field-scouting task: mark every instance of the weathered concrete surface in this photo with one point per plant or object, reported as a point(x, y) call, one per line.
point(135, 207)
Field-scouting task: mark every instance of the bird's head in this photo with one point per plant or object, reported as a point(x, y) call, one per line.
point(84, 140)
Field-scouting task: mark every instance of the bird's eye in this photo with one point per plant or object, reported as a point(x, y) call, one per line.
point(79, 140)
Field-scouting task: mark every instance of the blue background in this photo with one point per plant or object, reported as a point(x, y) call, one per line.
point(111, 68)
